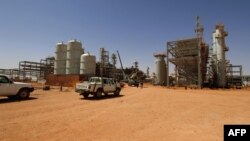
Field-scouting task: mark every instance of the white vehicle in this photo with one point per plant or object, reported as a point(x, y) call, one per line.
point(14, 89)
point(98, 85)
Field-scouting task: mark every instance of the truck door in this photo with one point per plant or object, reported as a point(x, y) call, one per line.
point(108, 85)
point(6, 86)
point(112, 85)
point(105, 85)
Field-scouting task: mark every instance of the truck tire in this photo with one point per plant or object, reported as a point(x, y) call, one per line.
point(117, 92)
point(23, 94)
point(98, 94)
point(85, 95)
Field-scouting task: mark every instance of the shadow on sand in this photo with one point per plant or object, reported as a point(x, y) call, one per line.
point(8, 100)
point(104, 97)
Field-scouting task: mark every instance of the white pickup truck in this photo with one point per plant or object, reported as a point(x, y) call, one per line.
point(98, 85)
point(14, 89)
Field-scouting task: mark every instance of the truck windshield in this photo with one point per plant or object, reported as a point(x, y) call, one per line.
point(94, 80)
point(4, 80)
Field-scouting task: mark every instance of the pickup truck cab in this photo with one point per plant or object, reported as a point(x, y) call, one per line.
point(14, 89)
point(98, 85)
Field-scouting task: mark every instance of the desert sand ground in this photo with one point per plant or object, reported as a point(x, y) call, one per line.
point(153, 113)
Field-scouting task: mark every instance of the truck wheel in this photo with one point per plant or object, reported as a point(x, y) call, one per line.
point(98, 94)
point(85, 95)
point(117, 92)
point(23, 94)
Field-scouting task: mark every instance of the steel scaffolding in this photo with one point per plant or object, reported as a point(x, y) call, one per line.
point(190, 59)
point(234, 75)
point(29, 69)
point(12, 73)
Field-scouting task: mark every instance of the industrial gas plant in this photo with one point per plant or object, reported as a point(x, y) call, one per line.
point(197, 64)
point(194, 64)
point(73, 64)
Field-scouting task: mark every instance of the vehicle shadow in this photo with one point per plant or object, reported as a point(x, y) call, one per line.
point(7, 100)
point(139, 87)
point(104, 97)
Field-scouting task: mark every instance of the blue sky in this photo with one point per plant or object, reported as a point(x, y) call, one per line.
point(29, 29)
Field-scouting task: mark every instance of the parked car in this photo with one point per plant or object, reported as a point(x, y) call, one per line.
point(13, 89)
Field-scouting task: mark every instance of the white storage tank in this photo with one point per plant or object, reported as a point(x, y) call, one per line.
point(74, 52)
point(60, 58)
point(88, 64)
point(160, 69)
point(219, 58)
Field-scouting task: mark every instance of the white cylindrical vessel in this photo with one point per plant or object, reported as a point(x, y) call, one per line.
point(160, 70)
point(74, 52)
point(219, 48)
point(88, 64)
point(60, 58)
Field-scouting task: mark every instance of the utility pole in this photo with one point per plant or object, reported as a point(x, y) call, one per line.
point(124, 76)
point(199, 34)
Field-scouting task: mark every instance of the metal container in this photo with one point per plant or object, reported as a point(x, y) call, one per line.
point(88, 64)
point(160, 70)
point(60, 58)
point(218, 50)
point(74, 52)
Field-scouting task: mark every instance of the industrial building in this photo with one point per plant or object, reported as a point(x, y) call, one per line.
point(190, 58)
point(30, 70)
point(67, 57)
point(195, 64)
point(73, 64)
